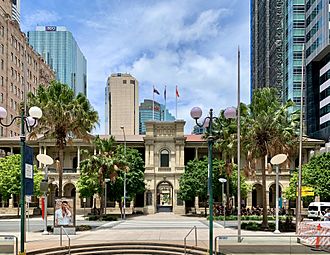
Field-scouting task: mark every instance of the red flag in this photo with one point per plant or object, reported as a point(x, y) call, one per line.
point(177, 92)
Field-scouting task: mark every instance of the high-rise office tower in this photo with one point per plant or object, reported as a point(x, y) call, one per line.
point(122, 104)
point(266, 43)
point(61, 51)
point(318, 69)
point(277, 36)
point(146, 113)
point(22, 69)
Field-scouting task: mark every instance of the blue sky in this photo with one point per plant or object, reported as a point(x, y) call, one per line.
point(189, 43)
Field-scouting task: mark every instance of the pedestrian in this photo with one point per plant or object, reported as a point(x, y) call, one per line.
point(327, 215)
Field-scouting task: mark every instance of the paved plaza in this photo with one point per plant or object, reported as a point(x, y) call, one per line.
point(166, 227)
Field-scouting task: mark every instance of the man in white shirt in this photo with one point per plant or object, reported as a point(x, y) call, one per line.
point(63, 215)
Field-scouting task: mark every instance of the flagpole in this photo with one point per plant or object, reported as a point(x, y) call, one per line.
point(239, 145)
point(176, 102)
point(153, 103)
point(165, 105)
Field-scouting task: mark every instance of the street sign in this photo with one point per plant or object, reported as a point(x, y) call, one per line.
point(307, 193)
point(28, 199)
point(307, 189)
point(28, 161)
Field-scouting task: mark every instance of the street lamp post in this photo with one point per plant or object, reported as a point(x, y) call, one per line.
point(124, 206)
point(196, 113)
point(277, 160)
point(106, 180)
point(46, 160)
point(26, 122)
point(223, 181)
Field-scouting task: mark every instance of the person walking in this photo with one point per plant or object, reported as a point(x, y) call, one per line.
point(327, 215)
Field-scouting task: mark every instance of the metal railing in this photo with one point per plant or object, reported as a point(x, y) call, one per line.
point(12, 237)
point(298, 240)
point(185, 239)
point(66, 233)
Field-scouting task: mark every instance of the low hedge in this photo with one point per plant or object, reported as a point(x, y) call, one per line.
point(249, 217)
point(284, 226)
point(107, 217)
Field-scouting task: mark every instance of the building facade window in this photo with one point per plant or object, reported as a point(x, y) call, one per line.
point(164, 158)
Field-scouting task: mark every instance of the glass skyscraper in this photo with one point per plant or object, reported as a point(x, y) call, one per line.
point(277, 38)
point(146, 112)
point(294, 38)
point(318, 69)
point(61, 52)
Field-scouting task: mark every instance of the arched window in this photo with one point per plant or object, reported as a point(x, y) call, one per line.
point(164, 158)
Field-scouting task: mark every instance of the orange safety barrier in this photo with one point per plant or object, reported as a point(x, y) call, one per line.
point(313, 229)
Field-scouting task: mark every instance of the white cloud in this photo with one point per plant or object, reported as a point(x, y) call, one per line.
point(39, 17)
point(189, 43)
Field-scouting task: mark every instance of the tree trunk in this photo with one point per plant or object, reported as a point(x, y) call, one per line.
point(60, 171)
point(264, 224)
point(102, 202)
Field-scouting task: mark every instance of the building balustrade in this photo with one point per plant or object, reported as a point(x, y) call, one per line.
point(65, 170)
point(164, 169)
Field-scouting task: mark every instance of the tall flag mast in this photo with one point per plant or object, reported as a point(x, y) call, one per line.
point(165, 104)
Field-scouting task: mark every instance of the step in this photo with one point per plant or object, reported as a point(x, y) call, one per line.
point(122, 248)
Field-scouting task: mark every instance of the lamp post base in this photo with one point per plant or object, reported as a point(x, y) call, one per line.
point(277, 231)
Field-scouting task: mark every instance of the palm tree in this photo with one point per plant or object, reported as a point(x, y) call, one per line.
point(225, 131)
point(271, 129)
point(105, 164)
point(65, 116)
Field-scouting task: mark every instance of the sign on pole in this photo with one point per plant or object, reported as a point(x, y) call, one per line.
point(28, 170)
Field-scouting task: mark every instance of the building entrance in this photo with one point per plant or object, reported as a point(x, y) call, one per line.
point(164, 197)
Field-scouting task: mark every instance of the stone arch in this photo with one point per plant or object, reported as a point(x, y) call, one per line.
point(257, 195)
point(164, 157)
point(69, 190)
point(165, 196)
point(272, 195)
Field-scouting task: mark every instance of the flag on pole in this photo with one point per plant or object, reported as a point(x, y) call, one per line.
point(156, 91)
point(176, 101)
point(165, 93)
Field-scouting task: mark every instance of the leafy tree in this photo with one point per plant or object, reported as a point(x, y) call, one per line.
point(271, 129)
point(111, 162)
point(64, 116)
point(134, 176)
point(10, 177)
point(194, 181)
point(315, 174)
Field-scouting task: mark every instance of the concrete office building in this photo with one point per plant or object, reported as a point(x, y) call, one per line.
point(122, 104)
point(318, 69)
point(21, 68)
point(62, 53)
point(146, 114)
point(277, 37)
